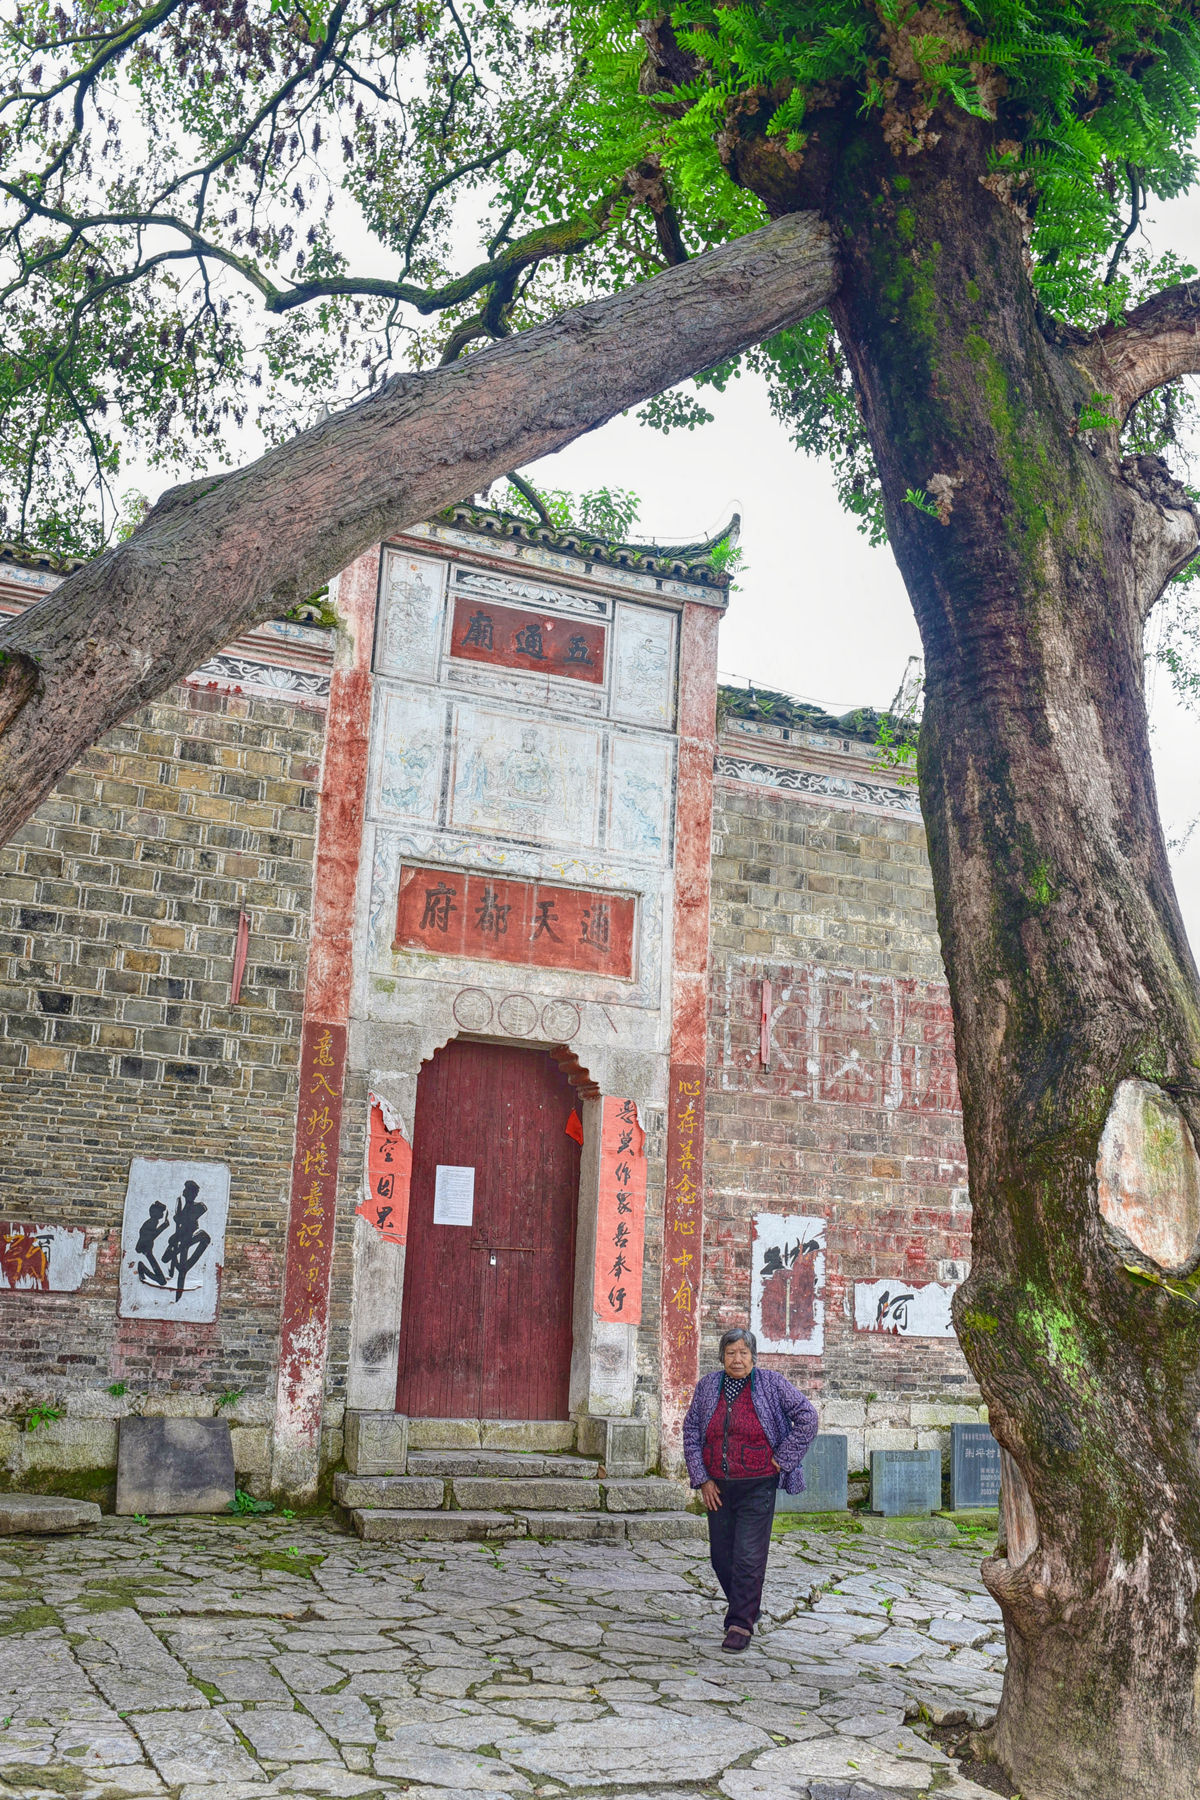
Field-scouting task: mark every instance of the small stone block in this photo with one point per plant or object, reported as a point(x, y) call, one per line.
point(601, 1527)
point(389, 1491)
point(621, 1444)
point(175, 1466)
point(577, 1468)
point(647, 1494)
point(45, 1513)
point(376, 1443)
point(444, 1434)
point(643, 1526)
point(825, 1485)
point(906, 1483)
point(386, 1527)
point(548, 1496)
point(544, 1435)
point(974, 1467)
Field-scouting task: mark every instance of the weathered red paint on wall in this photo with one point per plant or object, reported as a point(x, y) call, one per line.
point(449, 913)
point(512, 638)
point(683, 1218)
point(304, 1334)
point(305, 1322)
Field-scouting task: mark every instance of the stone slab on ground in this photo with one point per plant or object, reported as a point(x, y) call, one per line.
point(644, 1527)
point(389, 1527)
point(195, 1747)
point(650, 1493)
point(426, 1492)
point(596, 1527)
point(543, 1495)
point(173, 1466)
point(45, 1514)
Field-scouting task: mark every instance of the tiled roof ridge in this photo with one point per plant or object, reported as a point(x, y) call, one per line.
point(685, 562)
point(26, 558)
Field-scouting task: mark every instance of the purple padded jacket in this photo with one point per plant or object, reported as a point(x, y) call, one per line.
point(789, 1420)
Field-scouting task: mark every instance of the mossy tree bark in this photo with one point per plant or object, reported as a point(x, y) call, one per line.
point(1069, 969)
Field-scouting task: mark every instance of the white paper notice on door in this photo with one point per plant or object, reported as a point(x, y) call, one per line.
point(453, 1195)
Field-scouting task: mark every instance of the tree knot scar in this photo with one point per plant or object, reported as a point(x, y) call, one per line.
point(20, 680)
point(940, 489)
point(1148, 1177)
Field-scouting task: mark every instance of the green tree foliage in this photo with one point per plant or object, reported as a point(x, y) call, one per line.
point(215, 212)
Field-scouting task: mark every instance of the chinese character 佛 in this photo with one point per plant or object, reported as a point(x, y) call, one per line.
point(479, 631)
point(594, 926)
point(529, 641)
point(491, 916)
point(439, 904)
point(183, 1249)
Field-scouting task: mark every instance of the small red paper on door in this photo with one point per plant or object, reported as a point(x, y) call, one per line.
point(621, 1215)
point(389, 1174)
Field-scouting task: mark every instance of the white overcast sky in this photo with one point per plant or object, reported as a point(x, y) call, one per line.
point(818, 613)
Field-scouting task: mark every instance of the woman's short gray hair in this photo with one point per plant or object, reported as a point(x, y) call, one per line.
point(738, 1335)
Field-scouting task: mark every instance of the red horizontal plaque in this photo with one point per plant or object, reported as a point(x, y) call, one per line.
point(516, 639)
point(451, 913)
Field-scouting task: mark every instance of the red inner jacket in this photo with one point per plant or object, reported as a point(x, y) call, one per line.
point(743, 1452)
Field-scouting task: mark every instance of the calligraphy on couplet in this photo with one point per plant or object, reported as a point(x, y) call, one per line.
point(512, 638)
point(455, 914)
point(621, 1215)
point(314, 1179)
point(389, 1174)
point(683, 1225)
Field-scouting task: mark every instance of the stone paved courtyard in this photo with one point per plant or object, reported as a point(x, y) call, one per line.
point(217, 1659)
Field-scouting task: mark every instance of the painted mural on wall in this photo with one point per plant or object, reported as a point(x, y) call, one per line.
point(644, 679)
point(410, 754)
point(411, 626)
point(173, 1239)
point(904, 1309)
point(510, 637)
point(451, 913)
point(639, 796)
point(45, 1259)
point(532, 780)
point(787, 1283)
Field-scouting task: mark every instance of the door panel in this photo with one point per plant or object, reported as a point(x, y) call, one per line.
point(484, 1338)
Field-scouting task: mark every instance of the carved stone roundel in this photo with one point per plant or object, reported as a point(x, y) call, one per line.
point(1148, 1175)
point(560, 1020)
point(473, 1010)
point(517, 1015)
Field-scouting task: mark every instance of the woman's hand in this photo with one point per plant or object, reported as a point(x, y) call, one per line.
point(710, 1493)
point(776, 1467)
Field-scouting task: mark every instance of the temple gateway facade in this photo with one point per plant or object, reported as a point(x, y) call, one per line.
point(443, 1014)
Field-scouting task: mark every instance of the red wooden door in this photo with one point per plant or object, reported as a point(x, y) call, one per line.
point(485, 1331)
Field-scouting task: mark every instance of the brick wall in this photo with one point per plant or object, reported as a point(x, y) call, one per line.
point(857, 1119)
point(119, 905)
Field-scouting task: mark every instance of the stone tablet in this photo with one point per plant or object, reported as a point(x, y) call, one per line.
point(174, 1466)
point(906, 1483)
point(974, 1467)
point(825, 1466)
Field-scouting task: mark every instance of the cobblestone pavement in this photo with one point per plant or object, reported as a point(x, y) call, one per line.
point(226, 1660)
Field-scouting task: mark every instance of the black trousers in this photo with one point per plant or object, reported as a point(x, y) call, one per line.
point(739, 1537)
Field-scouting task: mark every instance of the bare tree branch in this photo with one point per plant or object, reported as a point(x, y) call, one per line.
point(220, 554)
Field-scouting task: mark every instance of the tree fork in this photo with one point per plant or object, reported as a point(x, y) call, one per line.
point(1073, 987)
point(218, 555)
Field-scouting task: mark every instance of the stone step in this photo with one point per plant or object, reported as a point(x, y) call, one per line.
point(543, 1436)
point(534, 1492)
point(45, 1514)
point(646, 1493)
point(500, 1462)
point(404, 1525)
point(407, 1491)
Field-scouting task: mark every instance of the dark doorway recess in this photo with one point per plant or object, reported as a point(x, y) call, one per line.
point(485, 1331)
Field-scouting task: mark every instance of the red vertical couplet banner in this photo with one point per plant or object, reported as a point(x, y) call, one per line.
point(620, 1215)
point(314, 1194)
point(683, 1229)
point(389, 1175)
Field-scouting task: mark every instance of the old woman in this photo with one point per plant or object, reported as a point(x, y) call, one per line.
point(744, 1438)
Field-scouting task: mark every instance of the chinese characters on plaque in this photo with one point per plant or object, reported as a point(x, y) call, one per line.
point(455, 914)
point(173, 1240)
point(512, 638)
point(389, 1174)
point(314, 1176)
point(683, 1222)
point(787, 1283)
point(903, 1308)
point(620, 1215)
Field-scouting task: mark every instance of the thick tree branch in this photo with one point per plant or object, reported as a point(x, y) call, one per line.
point(216, 556)
point(1157, 341)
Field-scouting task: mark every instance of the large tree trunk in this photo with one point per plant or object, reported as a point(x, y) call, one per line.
point(1075, 995)
point(221, 554)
